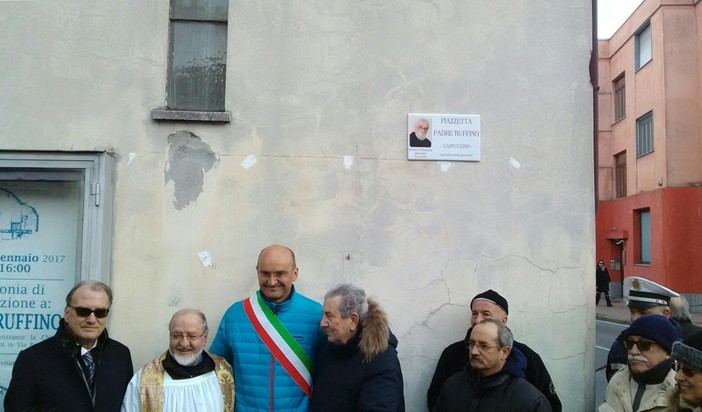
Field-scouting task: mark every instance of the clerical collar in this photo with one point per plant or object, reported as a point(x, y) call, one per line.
point(178, 371)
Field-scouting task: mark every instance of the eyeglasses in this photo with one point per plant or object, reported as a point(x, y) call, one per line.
point(276, 276)
point(191, 337)
point(642, 344)
point(686, 370)
point(483, 347)
point(85, 312)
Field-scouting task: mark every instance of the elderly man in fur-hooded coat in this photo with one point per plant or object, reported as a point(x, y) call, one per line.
point(359, 370)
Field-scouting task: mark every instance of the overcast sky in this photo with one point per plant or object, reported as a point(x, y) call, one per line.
point(611, 14)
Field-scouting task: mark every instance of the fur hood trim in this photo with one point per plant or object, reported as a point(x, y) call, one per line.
point(375, 334)
point(675, 404)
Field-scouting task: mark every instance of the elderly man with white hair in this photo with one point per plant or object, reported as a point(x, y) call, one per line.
point(360, 370)
point(185, 377)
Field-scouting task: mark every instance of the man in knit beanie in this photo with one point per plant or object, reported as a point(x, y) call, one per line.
point(687, 396)
point(645, 383)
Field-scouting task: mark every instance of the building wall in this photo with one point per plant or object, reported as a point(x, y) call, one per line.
point(319, 94)
point(682, 90)
point(667, 180)
point(675, 260)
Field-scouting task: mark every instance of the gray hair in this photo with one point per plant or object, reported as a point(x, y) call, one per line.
point(353, 299)
point(197, 312)
point(422, 120)
point(93, 285)
point(504, 334)
point(679, 308)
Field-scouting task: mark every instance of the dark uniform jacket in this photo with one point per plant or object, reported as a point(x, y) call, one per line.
point(505, 391)
point(362, 375)
point(455, 357)
point(48, 376)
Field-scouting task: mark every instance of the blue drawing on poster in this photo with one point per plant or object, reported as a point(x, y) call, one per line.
point(17, 218)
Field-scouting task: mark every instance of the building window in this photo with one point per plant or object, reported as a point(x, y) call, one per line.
point(644, 229)
point(619, 99)
point(620, 174)
point(643, 46)
point(197, 61)
point(644, 134)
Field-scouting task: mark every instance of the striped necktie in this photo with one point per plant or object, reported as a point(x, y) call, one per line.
point(90, 364)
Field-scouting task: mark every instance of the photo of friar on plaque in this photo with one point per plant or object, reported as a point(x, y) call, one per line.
point(443, 137)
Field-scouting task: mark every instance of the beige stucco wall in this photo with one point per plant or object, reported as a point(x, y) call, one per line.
point(668, 85)
point(307, 84)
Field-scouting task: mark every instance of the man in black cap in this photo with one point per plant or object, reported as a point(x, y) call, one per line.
point(644, 385)
point(490, 305)
point(646, 297)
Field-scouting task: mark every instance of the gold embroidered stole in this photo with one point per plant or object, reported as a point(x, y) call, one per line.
point(151, 386)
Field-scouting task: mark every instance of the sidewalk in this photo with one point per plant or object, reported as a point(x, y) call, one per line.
point(619, 313)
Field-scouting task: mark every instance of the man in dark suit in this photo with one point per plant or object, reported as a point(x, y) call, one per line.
point(79, 369)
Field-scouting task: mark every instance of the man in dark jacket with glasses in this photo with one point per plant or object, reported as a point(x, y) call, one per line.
point(494, 378)
point(79, 369)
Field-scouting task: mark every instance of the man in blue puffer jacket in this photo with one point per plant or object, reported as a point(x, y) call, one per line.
point(272, 338)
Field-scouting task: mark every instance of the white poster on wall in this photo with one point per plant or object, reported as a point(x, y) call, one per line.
point(40, 230)
point(443, 137)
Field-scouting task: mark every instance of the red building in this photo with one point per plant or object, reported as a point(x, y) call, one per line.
point(649, 148)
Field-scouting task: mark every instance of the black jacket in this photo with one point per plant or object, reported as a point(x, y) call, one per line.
point(688, 328)
point(505, 391)
point(602, 279)
point(48, 377)
point(455, 357)
point(362, 375)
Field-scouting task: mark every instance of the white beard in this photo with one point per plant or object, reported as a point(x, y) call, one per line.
point(188, 360)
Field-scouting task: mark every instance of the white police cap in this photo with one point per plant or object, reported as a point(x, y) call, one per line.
point(644, 293)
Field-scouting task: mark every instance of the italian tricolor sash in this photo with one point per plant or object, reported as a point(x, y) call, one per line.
point(280, 342)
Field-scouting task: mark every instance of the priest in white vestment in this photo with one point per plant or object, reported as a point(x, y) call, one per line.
point(185, 378)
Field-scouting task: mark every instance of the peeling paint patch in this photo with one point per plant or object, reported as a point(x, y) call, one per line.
point(188, 160)
point(175, 301)
point(205, 258)
point(445, 166)
point(249, 161)
point(130, 158)
point(348, 162)
point(515, 164)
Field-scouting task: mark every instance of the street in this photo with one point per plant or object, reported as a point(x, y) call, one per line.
point(605, 333)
